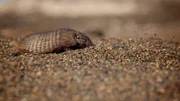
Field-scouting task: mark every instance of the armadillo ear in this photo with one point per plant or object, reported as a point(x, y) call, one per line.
point(74, 35)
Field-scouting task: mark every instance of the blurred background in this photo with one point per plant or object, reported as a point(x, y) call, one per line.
point(99, 18)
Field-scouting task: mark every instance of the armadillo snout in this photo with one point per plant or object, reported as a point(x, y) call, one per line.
point(89, 43)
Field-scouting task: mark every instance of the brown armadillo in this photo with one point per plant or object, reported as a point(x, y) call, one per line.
point(53, 41)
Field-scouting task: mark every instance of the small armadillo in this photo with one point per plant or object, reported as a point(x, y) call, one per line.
point(52, 42)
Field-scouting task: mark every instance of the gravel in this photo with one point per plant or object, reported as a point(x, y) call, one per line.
point(113, 70)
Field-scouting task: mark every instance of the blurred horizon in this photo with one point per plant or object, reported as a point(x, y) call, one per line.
point(2, 2)
point(115, 18)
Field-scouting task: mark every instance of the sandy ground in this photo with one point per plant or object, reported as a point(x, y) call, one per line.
point(131, 66)
point(114, 70)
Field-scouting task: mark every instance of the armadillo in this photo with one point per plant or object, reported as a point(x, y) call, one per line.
point(52, 42)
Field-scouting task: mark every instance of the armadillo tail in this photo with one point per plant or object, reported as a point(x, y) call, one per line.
point(15, 48)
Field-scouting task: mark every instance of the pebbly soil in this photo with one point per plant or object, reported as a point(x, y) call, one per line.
point(114, 70)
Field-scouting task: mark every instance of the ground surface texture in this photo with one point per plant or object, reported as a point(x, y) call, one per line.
point(114, 70)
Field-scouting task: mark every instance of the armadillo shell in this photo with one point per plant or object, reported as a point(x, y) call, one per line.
point(41, 42)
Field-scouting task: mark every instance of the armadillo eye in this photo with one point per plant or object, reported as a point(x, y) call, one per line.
point(78, 37)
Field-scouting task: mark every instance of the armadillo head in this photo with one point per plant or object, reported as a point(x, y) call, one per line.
point(73, 39)
point(82, 40)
